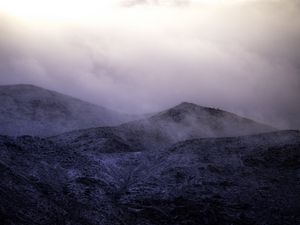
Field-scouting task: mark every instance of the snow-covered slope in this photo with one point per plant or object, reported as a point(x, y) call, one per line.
point(182, 122)
point(31, 110)
point(249, 180)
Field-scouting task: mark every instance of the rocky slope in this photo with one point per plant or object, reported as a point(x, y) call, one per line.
point(31, 110)
point(187, 165)
point(215, 181)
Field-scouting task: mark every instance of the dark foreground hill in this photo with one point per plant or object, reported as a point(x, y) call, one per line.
point(251, 180)
point(182, 122)
point(31, 110)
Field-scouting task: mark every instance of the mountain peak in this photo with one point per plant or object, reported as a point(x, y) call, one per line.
point(185, 105)
point(182, 111)
point(206, 121)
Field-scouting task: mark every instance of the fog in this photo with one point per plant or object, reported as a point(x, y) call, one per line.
point(137, 56)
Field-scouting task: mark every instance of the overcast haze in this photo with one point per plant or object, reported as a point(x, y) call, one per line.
point(143, 56)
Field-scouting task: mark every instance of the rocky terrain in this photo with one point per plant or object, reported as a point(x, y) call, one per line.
point(188, 165)
point(239, 180)
point(31, 110)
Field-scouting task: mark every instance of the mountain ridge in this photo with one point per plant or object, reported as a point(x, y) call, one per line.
point(182, 122)
point(185, 165)
point(32, 110)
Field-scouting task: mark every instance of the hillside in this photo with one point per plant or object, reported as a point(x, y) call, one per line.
point(31, 110)
point(182, 122)
point(185, 165)
point(249, 180)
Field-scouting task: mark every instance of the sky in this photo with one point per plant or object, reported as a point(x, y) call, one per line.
point(140, 56)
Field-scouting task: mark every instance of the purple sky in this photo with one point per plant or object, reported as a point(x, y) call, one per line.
point(142, 56)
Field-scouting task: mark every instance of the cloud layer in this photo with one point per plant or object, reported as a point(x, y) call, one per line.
point(242, 56)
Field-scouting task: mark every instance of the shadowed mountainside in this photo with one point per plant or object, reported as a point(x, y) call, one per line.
point(249, 180)
point(31, 110)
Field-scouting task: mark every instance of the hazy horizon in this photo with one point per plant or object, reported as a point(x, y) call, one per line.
point(140, 56)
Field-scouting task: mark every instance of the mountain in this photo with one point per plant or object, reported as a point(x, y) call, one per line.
point(185, 165)
point(187, 121)
point(247, 180)
point(182, 122)
point(31, 110)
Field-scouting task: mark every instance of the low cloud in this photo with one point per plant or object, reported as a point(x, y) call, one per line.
point(130, 3)
point(243, 57)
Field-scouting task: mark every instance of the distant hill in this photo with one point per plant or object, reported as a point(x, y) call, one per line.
point(182, 122)
point(31, 110)
point(187, 121)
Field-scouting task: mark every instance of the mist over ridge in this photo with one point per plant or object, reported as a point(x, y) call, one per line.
point(149, 112)
point(241, 56)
